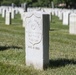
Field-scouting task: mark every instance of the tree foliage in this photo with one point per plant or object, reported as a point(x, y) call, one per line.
point(69, 3)
point(41, 3)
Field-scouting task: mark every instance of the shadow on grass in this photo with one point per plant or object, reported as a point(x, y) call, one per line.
point(61, 63)
point(2, 48)
point(53, 29)
point(53, 22)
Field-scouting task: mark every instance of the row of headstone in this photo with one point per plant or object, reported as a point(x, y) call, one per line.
point(8, 13)
point(36, 22)
point(22, 12)
point(36, 25)
point(68, 17)
point(12, 10)
point(37, 34)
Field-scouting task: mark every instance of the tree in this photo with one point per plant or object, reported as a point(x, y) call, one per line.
point(6, 2)
point(0, 1)
point(69, 3)
point(40, 3)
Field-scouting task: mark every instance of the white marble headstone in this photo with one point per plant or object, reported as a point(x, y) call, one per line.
point(8, 18)
point(23, 18)
point(3, 13)
point(72, 26)
point(37, 39)
point(60, 14)
point(66, 18)
point(13, 13)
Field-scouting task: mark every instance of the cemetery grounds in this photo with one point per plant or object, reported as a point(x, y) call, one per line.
point(62, 49)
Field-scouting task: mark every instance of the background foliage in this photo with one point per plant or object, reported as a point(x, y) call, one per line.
point(40, 3)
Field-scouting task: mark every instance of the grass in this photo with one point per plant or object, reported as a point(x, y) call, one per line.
point(62, 50)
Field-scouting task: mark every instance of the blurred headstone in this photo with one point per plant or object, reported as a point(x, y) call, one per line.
point(8, 18)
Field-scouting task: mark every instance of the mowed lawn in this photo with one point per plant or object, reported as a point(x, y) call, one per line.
point(62, 49)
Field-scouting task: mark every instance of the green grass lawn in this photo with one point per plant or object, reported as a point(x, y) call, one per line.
point(62, 50)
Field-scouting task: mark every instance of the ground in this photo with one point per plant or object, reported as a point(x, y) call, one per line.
point(62, 49)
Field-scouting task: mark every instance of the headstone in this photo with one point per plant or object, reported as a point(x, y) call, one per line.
point(12, 5)
point(37, 39)
point(8, 18)
point(16, 11)
point(25, 7)
point(13, 14)
point(3, 13)
point(53, 12)
point(21, 13)
point(52, 3)
point(66, 18)
point(10, 9)
point(0, 11)
point(60, 14)
point(72, 26)
point(21, 5)
point(23, 19)
point(56, 12)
